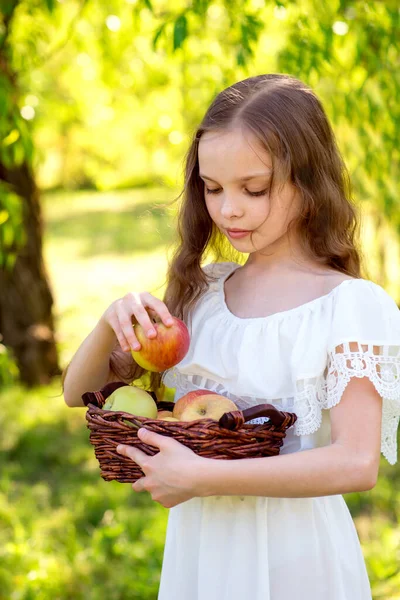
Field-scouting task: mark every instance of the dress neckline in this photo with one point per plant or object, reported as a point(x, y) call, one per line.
point(279, 314)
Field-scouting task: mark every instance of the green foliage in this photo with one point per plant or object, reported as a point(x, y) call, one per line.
point(12, 234)
point(349, 55)
point(125, 84)
point(110, 91)
point(7, 7)
point(180, 31)
point(64, 532)
point(9, 371)
point(250, 28)
point(98, 247)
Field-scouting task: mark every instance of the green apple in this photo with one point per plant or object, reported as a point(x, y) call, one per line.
point(132, 400)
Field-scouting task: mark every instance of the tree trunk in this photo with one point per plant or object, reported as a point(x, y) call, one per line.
point(26, 319)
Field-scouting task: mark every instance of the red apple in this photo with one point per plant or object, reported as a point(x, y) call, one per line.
point(210, 406)
point(185, 400)
point(164, 351)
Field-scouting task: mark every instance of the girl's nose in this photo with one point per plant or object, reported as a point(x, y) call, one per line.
point(230, 208)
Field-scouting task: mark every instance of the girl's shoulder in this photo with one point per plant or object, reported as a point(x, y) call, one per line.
point(364, 310)
point(346, 302)
point(217, 269)
point(364, 294)
point(345, 291)
point(218, 272)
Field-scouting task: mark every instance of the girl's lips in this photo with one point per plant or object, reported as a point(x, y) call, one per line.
point(237, 234)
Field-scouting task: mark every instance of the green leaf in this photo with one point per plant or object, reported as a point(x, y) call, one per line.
point(11, 137)
point(245, 40)
point(18, 154)
point(50, 5)
point(8, 260)
point(8, 234)
point(158, 35)
point(148, 5)
point(4, 216)
point(240, 58)
point(180, 31)
point(200, 6)
point(7, 7)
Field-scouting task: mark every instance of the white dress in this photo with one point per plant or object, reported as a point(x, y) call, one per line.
point(299, 360)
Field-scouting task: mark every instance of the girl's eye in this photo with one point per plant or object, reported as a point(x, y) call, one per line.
point(261, 193)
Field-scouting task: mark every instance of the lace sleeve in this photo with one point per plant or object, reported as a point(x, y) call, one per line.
point(381, 364)
point(371, 327)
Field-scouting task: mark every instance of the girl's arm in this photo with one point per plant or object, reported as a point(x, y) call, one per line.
point(349, 464)
point(89, 368)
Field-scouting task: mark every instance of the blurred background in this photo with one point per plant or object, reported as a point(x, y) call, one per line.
point(98, 102)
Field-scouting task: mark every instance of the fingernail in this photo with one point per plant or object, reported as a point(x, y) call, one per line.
point(170, 322)
point(135, 347)
point(119, 448)
point(151, 332)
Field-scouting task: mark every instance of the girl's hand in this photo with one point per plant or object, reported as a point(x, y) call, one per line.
point(133, 305)
point(170, 475)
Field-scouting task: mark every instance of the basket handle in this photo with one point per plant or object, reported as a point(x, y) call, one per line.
point(235, 419)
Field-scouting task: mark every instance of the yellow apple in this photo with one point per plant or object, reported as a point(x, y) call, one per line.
point(164, 413)
point(170, 419)
point(210, 406)
point(132, 400)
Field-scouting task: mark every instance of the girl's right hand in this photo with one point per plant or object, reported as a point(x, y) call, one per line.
point(119, 317)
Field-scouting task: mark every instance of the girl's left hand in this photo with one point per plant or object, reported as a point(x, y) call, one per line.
point(170, 475)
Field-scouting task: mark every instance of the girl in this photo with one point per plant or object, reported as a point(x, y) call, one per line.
point(294, 325)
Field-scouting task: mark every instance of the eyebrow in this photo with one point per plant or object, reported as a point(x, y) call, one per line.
point(247, 178)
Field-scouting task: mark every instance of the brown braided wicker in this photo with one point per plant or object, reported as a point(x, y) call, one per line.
point(228, 438)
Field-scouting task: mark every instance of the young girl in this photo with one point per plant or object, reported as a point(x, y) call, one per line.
point(294, 325)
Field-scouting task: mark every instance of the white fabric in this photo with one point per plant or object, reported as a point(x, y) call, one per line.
point(300, 360)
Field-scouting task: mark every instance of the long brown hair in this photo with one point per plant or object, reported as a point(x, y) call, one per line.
point(288, 120)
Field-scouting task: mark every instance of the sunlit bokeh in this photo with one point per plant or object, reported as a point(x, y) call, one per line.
point(108, 97)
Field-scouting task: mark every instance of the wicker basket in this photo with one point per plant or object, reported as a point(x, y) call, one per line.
point(228, 438)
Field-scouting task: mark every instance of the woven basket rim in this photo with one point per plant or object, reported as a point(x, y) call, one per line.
point(205, 436)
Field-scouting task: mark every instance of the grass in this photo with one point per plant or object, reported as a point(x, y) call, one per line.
point(65, 534)
point(98, 247)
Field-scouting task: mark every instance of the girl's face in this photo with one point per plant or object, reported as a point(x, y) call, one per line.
point(236, 172)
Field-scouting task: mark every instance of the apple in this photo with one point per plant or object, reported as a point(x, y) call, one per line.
point(170, 419)
point(166, 350)
point(185, 400)
point(210, 406)
point(164, 413)
point(132, 400)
